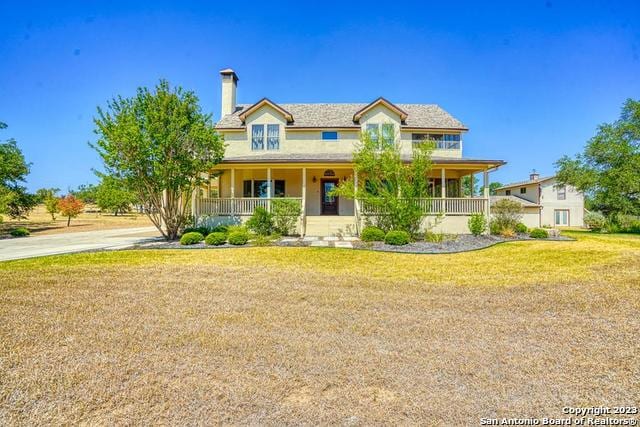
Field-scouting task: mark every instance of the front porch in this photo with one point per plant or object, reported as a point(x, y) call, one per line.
point(235, 192)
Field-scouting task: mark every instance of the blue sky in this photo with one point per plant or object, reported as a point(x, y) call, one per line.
point(531, 79)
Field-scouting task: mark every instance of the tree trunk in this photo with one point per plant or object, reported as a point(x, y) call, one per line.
point(68, 221)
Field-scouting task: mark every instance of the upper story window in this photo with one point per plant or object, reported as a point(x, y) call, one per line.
point(258, 137)
point(523, 190)
point(386, 131)
point(562, 192)
point(273, 137)
point(442, 141)
point(329, 135)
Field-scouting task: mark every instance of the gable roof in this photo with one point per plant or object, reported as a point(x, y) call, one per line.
point(265, 101)
point(528, 182)
point(380, 101)
point(419, 116)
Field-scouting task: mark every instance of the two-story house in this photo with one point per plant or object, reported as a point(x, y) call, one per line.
point(302, 151)
point(545, 203)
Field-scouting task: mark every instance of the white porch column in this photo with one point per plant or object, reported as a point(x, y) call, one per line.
point(304, 201)
point(356, 203)
point(233, 183)
point(472, 184)
point(487, 202)
point(443, 184)
point(233, 191)
point(194, 205)
point(269, 190)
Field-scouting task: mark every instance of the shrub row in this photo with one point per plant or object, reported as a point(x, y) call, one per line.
point(237, 235)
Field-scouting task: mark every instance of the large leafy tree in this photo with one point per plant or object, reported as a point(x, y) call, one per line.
point(14, 198)
point(159, 143)
point(608, 170)
point(387, 185)
point(88, 193)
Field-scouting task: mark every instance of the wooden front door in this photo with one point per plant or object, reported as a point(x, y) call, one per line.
point(329, 204)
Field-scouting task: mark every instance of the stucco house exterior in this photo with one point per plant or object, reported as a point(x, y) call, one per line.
point(302, 151)
point(544, 202)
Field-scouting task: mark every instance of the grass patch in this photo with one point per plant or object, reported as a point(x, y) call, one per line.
point(279, 335)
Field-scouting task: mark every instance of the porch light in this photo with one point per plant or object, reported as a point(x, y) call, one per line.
point(314, 179)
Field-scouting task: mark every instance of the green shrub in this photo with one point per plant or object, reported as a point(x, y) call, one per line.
point(204, 230)
point(505, 215)
point(220, 228)
point(539, 233)
point(234, 228)
point(432, 237)
point(521, 228)
point(372, 234)
point(477, 224)
point(263, 240)
point(191, 238)
point(595, 221)
point(628, 223)
point(20, 232)
point(216, 238)
point(238, 238)
point(396, 237)
point(261, 222)
point(286, 213)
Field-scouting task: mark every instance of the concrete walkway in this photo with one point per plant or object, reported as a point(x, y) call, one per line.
point(52, 244)
point(323, 242)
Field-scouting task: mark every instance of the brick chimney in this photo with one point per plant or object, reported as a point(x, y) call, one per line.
point(229, 88)
point(534, 175)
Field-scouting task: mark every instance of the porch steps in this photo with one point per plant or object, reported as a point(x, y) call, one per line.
point(330, 225)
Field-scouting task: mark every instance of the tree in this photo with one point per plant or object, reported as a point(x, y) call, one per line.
point(387, 184)
point(71, 207)
point(466, 186)
point(50, 200)
point(14, 198)
point(493, 188)
point(112, 195)
point(88, 193)
point(608, 170)
point(159, 142)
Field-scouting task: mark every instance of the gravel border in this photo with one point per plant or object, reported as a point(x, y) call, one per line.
point(453, 244)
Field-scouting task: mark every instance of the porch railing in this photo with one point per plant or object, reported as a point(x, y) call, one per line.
point(448, 206)
point(235, 206)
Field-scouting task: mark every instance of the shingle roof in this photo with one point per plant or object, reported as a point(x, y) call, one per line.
point(341, 115)
point(528, 182)
point(525, 203)
point(276, 157)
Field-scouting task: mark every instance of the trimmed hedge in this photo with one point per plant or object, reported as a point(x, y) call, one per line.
point(20, 232)
point(397, 238)
point(539, 233)
point(372, 234)
point(216, 239)
point(191, 238)
point(238, 238)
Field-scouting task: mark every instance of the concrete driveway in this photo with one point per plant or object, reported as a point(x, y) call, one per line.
point(52, 244)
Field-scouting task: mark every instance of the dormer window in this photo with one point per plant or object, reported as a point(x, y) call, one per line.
point(384, 130)
point(258, 137)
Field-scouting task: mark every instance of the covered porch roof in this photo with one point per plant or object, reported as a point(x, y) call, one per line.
point(346, 159)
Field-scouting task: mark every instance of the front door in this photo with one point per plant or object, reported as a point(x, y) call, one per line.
point(329, 204)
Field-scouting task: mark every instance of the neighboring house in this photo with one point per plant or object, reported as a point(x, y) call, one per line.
point(545, 203)
point(302, 151)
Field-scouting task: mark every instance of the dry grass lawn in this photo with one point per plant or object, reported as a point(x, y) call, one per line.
point(39, 222)
point(320, 336)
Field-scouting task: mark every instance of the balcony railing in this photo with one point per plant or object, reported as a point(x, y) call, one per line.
point(235, 206)
point(447, 206)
